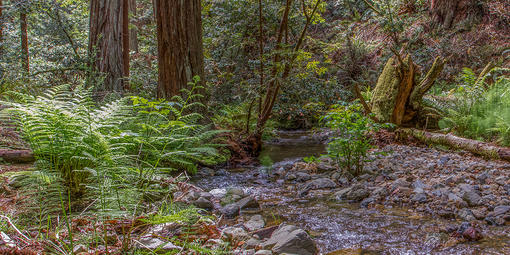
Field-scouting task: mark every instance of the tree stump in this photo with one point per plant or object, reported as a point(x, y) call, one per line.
point(398, 94)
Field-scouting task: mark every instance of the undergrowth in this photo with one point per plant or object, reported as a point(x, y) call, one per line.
point(480, 110)
point(108, 161)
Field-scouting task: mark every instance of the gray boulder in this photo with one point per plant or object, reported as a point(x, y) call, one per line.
point(235, 234)
point(472, 198)
point(290, 239)
point(256, 222)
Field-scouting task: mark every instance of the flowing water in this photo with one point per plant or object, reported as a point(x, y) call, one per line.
point(344, 227)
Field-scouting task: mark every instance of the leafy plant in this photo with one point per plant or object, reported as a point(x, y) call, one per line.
point(311, 159)
point(479, 110)
point(351, 145)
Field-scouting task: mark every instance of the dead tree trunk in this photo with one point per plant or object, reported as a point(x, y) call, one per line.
point(180, 48)
point(398, 94)
point(105, 42)
point(476, 147)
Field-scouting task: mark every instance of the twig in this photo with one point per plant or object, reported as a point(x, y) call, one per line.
point(15, 228)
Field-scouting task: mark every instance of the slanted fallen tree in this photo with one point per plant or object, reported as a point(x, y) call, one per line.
point(476, 147)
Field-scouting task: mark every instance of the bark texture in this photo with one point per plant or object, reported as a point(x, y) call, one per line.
point(17, 156)
point(1, 27)
point(398, 94)
point(445, 13)
point(105, 42)
point(133, 31)
point(125, 43)
point(476, 147)
point(180, 47)
point(25, 60)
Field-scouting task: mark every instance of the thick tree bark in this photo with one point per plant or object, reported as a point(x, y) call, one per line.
point(1, 27)
point(125, 43)
point(133, 32)
point(445, 13)
point(17, 156)
point(180, 48)
point(473, 146)
point(105, 42)
point(24, 41)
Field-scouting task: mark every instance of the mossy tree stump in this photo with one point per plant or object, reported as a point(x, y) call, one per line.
point(399, 91)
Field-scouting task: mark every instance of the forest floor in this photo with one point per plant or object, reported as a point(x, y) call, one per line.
point(409, 198)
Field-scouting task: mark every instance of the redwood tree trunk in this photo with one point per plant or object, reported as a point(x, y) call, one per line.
point(180, 48)
point(1, 27)
point(105, 42)
point(133, 32)
point(24, 41)
point(125, 43)
point(447, 12)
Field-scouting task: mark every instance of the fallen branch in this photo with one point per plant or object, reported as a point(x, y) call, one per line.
point(17, 156)
point(25, 238)
point(476, 147)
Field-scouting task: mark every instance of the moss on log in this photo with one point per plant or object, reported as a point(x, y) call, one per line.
point(476, 147)
point(386, 91)
point(398, 94)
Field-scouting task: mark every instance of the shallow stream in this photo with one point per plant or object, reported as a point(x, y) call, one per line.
point(342, 228)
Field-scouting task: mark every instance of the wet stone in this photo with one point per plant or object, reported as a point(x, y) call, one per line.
point(466, 214)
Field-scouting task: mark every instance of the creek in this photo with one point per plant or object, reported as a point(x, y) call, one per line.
point(337, 227)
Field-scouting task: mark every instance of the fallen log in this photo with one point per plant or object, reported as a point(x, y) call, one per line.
point(476, 147)
point(17, 156)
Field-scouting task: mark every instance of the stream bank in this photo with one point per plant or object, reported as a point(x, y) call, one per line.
point(412, 200)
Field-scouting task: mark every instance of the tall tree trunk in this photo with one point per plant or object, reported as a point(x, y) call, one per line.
point(180, 48)
point(445, 13)
point(133, 32)
point(1, 27)
point(24, 41)
point(125, 43)
point(105, 42)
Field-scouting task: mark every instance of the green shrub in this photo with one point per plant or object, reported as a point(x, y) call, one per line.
point(351, 145)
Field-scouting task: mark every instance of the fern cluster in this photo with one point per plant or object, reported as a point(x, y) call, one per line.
point(110, 155)
point(479, 110)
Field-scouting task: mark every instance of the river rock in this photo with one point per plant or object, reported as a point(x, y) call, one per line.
point(149, 243)
point(499, 210)
point(235, 234)
point(256, 222)
point(251, 243)
point(292, 240)
point(472, 198)
point(466, 214)
point(264, 252)
point(419, 197)
point(218, 193)
point(367, 201)
point(203, 203)
point(401, 182)
point(321, 183)
point(302, 177)
point(231, 210)
point(325, 167)
point(204, 172)
point(354, 193)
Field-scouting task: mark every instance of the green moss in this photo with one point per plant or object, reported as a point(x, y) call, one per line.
point(386, 91)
